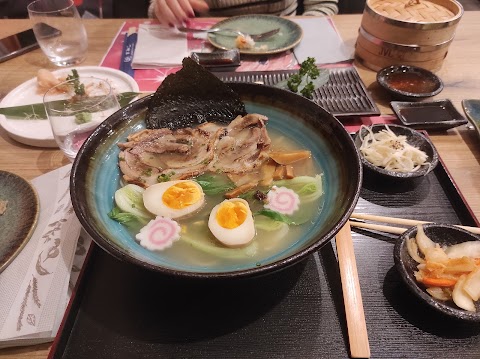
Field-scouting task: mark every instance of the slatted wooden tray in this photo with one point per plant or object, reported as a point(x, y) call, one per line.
point(343, 95)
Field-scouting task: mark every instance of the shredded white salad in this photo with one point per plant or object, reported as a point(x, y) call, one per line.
point(387, 150)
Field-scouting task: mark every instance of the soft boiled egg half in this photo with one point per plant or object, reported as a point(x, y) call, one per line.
point(173, 199)
point(231, 222)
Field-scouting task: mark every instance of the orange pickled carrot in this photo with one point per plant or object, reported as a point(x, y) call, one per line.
point(439, 282)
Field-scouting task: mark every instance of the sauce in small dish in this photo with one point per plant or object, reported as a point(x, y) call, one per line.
point(431, 115)
point(411, 82)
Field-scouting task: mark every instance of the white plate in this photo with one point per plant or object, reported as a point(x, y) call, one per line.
point(38, 132)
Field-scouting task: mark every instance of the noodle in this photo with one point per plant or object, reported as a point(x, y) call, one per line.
point(386, 149)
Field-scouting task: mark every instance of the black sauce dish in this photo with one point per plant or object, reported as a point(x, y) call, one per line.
point(414, 138)
point(444, 235)
point(409, 82)
point(428, 115)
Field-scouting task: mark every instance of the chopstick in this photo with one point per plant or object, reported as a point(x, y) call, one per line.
point(352, 296)
point(393, 220)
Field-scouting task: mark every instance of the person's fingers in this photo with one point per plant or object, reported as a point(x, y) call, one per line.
point(199, 5)
point(163, 13)
point(169, 12)
point(176, 12)
point(181, 9)
point(186, 8)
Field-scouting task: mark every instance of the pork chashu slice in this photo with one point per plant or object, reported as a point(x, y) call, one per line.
point(150, 156)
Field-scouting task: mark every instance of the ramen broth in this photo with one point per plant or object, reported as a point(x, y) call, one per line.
point(194, 227)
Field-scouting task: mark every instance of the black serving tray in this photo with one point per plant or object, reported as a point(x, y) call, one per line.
point(122, 311)
point(343, 95)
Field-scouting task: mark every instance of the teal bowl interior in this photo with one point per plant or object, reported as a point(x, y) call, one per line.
point(96, 176)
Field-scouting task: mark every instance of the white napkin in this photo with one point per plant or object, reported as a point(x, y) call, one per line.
point(321, 41)
point(159, 47)
point(35, 287)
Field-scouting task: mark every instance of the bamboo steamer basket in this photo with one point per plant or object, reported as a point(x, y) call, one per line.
point(377, 54)
point(411, 32)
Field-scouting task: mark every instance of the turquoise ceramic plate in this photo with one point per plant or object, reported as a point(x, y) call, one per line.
point(289, 36)
point(19, 220)
point(472, 110)
point(95, 178)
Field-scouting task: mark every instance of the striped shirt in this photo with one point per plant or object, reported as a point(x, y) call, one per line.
point(224, 8)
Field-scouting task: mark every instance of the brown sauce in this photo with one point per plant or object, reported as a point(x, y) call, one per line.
point(411, 82)
point(425, 114)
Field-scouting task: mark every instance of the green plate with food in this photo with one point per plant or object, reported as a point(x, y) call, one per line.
point(288, 36)
point(19, 210)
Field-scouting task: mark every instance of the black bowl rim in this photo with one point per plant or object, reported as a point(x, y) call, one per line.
point(412, 284)
point(400, 175)
point(381, 75)
point(251, 272)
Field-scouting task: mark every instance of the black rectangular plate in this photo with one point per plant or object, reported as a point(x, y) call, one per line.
point(122, 311)
point(343, 95)
point(431, 115)
point(218, 60)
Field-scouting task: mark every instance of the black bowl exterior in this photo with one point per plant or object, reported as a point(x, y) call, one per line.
point(382, 79)
point(414, 138)
point(316, 117)
point(444, 235)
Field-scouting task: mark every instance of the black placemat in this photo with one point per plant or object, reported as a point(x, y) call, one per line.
point(121, 311)
point(343, 95)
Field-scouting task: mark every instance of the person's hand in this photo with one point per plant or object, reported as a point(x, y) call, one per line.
point(176, 12)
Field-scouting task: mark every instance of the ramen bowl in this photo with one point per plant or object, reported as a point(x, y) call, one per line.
point(95, 177)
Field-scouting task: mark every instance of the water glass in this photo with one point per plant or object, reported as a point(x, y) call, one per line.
point(59, 31)
point(75, 108)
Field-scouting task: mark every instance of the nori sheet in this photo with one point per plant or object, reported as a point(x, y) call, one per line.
point(190, 97)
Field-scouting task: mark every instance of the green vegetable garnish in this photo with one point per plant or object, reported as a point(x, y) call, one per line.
point(308, 71)
point(78, 87)
point(275, 216)
point(128, 219)
point(83, 117)
point(129, 199)
point(212, 184)
point(309, 78)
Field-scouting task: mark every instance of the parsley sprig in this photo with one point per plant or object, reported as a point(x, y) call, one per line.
point(308, 71)
point(308, 78)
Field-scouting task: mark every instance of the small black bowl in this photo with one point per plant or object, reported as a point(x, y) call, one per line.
point(414, 138)
point(409, 82)
point(444, 235)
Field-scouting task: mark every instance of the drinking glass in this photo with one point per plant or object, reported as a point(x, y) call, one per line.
point(59, 31)
point(75, 108)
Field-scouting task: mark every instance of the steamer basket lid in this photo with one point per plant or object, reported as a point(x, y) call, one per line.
point(421, 11)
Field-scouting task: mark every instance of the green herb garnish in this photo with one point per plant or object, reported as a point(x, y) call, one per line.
point(308, 71)
point(83, 117)
point(78, 87)
point(308, 78)
point(275, 216)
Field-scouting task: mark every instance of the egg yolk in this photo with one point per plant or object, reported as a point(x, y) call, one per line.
point(181, 195)
point(231, 214)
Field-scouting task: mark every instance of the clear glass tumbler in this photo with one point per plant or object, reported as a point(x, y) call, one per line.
point(75, 108)
point(59, 30)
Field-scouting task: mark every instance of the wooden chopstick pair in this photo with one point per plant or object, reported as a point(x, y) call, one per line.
point(352, 296)
point(392, 220)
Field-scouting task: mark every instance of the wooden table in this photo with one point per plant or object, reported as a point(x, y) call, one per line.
point(459, 148)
